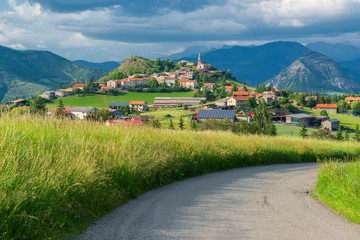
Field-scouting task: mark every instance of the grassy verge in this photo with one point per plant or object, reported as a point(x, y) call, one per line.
point(339, 187)
point(57, 176)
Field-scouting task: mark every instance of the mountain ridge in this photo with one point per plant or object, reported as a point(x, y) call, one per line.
point(314, 71)
point(26, 73)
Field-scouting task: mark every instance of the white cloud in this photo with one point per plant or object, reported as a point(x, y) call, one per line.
point(17, 46)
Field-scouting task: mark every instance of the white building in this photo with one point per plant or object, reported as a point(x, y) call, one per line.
point(82, 112)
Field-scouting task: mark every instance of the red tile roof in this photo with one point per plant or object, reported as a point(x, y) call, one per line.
point(79, 85)
point(241, 88)
point(326, 105)
point(107, 87)
point(228, 87)
point(352, 98)
point(209, 84)
point(137, 102)
point(126, 122)
point(18, 100)
point(237, 93)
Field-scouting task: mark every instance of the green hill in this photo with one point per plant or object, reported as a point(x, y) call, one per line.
point(27, 73)
point(316, 72)
point(139, 65)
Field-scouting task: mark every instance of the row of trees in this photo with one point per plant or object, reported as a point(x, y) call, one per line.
point(322, 134)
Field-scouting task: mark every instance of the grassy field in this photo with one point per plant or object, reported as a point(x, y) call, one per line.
point(345, 120)
point(339, 187)
point(102, 101)
point(286, 130)
point(57, 176)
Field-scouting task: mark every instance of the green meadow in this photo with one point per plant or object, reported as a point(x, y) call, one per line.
point(59, 175)
point(102, 101)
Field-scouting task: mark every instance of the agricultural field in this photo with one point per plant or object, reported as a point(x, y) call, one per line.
point(59, 175)
point(102, 101)
point(291, 131)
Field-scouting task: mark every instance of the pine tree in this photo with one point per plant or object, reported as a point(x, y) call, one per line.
point(171, 125)
point(346, 136)
point(303, 131)
point(339, 135)
point(272, 130)
point(193, 125)
point(181, 123)
point(357, 133)
point(60, 110)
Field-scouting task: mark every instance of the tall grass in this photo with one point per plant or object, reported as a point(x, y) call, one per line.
point(59, 175)
point(339, 187)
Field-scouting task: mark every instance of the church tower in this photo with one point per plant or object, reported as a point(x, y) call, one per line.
point(199, 60)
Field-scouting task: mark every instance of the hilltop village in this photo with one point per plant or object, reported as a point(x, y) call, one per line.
point(217, 96)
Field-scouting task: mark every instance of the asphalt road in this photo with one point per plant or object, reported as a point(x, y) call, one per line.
point(266, 202)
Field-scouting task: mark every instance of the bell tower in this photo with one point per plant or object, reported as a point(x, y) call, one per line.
point(199, 60)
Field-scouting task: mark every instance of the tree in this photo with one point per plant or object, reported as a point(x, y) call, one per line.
point(356, 136)
point(272, 130)
point(324, 113)
point(193, 125)
point(251, 102)
point(303, 131)
point(262, 118)
point(342, 105)
point(171, 124)
point(90, 84)
point(346, 136)
point(181, 123)
point(339, 135)
point(228, 73)
point(355, 108)
point(153, 83)
point(60, 110)
point(38, 105)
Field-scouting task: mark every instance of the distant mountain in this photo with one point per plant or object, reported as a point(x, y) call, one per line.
point(340, 52)
point(316, 72)
point(191, 52)
point(353, 67)
point(26, 73)
point(109, 66)
point(255, 64)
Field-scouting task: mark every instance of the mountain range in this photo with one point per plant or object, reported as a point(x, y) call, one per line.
point(255, 64)
point(26, 73)
point(108, 66)
point(315, 72)
point(340, 52)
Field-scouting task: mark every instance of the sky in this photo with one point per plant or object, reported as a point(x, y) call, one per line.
point(110, 30)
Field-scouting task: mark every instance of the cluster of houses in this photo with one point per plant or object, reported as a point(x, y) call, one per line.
point(184, 76)
point(60, 93)
point(241, 96)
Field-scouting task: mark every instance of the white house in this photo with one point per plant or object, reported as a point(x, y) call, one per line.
point(82, 112)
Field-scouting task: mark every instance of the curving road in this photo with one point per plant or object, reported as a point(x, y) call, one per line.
point(266, 202)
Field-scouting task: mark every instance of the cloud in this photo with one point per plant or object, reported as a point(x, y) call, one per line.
point(112, 29)
point(17, 46)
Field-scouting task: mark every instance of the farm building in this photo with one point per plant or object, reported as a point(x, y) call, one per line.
point(299, 118)
point(329, 108)
point(176, 101)
point(330, 124)
point(216, 114)
point(82, 112)
point(117, 105)
point(139, 105)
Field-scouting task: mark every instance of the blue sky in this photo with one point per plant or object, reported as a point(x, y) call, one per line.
point(113, 30)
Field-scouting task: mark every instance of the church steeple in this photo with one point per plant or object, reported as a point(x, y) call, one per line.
point(199, 59)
